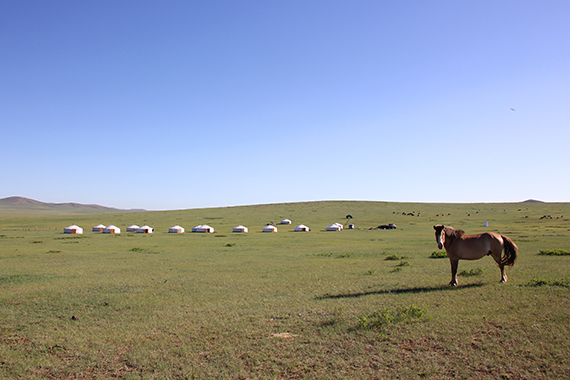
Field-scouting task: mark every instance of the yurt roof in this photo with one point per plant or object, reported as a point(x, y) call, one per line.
point(99, 226)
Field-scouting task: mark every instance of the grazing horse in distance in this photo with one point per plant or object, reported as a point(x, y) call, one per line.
point(473, 247)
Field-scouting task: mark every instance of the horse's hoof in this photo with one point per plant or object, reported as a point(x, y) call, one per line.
point(453, 284)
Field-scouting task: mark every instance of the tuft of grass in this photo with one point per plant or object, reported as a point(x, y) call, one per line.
point(138, 249)
point(564, 282)
point(554, 252)
point(12, 279)
point(438, 255)
point(385, 317)
point(231, 245)
point(471, 272)
point(53, 251)
point(370, 272)
point(70, 237)
point(322, 254)
point(393, 257)
point(403, 263)
point(344, 256)
point(36, 242)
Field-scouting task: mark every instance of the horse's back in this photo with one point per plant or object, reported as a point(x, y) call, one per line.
point(473, 247)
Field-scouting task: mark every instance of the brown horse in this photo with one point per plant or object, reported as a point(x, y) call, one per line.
point(473, 247)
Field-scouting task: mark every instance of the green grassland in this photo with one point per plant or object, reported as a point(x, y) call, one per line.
point(359, 304)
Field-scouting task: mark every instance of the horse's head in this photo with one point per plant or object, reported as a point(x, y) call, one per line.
point(439, 235)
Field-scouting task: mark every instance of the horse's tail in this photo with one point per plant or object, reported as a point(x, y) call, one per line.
point(511, 252)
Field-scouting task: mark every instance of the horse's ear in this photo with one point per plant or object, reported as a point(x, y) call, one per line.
point(435, 228)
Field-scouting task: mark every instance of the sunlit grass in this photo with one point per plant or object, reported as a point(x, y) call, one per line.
point(284, 305)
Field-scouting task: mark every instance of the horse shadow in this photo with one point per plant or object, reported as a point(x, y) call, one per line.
point(424, 289)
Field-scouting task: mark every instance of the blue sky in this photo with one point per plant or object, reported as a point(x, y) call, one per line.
point(186, 104)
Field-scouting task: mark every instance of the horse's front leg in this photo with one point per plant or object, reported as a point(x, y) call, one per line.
point(454, 263)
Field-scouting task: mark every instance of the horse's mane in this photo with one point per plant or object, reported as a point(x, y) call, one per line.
point(450, 231)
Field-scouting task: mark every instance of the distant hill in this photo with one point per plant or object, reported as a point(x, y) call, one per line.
point(25, 205)
point(532, 201)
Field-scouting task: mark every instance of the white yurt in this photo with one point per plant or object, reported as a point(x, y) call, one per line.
point(240, 228)
point(98, 228)
point(302, 228)
point(269, 228)
point(285, 221)
point(73, 229)
point(132, 228)
point(176, 230)
point(145, 230)
point(111, 230)
point(203, 228)
point(335, 227)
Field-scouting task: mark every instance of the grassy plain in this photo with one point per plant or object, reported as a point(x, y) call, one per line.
point(316, 305)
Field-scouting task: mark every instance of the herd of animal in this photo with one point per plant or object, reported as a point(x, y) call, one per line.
point(550, 217)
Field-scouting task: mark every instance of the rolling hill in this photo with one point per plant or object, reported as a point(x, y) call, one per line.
point(22, 205)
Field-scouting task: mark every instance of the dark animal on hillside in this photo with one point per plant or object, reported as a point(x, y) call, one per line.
point(390, 226)
point(473, 247)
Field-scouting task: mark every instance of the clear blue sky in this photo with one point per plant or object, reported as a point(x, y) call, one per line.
point(185, 104)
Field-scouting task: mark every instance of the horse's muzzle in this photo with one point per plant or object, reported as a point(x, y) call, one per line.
point(439, 245)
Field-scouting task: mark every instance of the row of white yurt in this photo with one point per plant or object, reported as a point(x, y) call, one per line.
point(271, 228)
point(112, 229)
point(335, 227)
point(73, 229)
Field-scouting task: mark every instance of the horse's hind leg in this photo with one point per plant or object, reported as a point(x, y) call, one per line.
point(454, 263)
point(497, 258)
point(504, 277)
